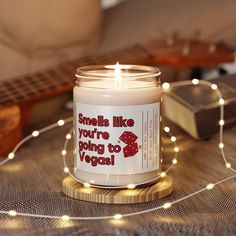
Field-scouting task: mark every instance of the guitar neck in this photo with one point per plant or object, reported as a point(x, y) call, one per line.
point(178, 53)
point(61, 78)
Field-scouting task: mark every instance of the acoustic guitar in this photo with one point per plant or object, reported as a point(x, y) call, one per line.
point(19, 95)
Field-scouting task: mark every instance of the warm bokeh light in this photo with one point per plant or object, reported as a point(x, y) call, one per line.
point(61, 122)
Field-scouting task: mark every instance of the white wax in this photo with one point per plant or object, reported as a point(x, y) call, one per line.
point(126, 93)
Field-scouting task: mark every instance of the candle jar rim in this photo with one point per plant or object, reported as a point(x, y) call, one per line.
point(130, 72)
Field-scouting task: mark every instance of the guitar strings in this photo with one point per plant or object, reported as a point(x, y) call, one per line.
point(23, 94)
point(36, 78)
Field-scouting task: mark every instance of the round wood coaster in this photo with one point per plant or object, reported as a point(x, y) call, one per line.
point(76, 190)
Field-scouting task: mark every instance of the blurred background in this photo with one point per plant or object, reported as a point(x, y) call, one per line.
point(38, 34)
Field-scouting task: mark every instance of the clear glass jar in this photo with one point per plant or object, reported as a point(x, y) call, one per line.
point(117, 112)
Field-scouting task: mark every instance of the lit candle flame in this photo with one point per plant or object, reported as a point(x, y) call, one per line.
point(117, 71)
point(117, 75)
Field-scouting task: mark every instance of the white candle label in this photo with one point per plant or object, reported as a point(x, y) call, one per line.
point(117, 139)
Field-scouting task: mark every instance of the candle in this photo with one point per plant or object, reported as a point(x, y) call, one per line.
point(117, 124)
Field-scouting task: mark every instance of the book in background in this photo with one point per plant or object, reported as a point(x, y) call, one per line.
point(196, 109)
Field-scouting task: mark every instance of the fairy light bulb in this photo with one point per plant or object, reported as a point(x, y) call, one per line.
point(165, 86)
point(173, 138)
point(11, 155)
point(131, 186)
point(117, 71)
point(174, 161)
point(167, 205)
point(228, 165)
point(65, 218)
point(210, 186)
point(221, 145)
point(35, 133)
point(214, 86)
point(66, 169)
point(167, 129)
point(163, 174)
point(176, 149)
point(61, 122)
point(12, 213)
point(63, 152)
point(87, 185)
point(68, 136)
point(221, 101)
point(195, 81)
point(221, 122)
point(117, 216)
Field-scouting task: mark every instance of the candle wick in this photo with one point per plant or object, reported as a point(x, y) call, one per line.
point(117, 76)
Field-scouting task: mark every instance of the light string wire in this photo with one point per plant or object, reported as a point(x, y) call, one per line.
point(166, 87)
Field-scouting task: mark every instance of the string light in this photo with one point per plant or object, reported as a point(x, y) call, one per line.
point(87, 185)
point(12, 213)
point(221, 145)
point(176, 149)
point(165, 86)
point(65, 218)
point(173, 138)
point(61, 122)
point(195, 81)
point(66, 169)
point(163, 174)
point(167, 129)
point(228, 165)
point(214, 86)
point(167, 205)
point(131, 186)
point(35, 133)
point(63, 152)
point(222, 101)
point(117, 216)
point(174, 161)
point(11, 155)
point(221, 122)
point(210, 186)
point(68, 136)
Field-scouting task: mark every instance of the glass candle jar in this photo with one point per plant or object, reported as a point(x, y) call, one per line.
point(117, 124)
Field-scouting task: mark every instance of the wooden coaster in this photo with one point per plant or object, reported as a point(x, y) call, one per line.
point(76, 190)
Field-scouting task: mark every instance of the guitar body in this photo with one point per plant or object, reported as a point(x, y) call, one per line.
point(14, 118)
point(10, 128)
